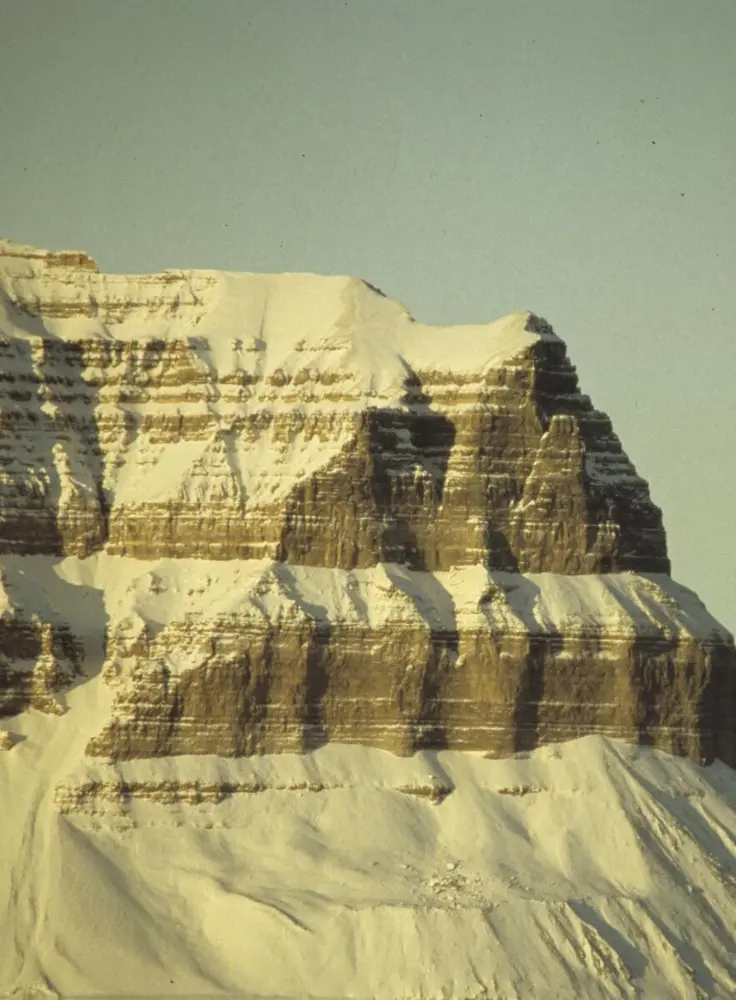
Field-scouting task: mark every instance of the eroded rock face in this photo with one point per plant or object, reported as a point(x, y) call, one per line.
point(404, 660)
point(295, 425)
point(37, 660)
point(331, 440)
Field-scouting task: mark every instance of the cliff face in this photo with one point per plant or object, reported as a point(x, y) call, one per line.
point(309, 518)
point(290, 658)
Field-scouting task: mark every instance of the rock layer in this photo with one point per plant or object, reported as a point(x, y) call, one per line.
point(298, 427)
point(336, 442)
point(402, 660)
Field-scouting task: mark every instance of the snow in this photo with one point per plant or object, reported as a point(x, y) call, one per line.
point(309, 345)
point(588, 869)
point(165, 590)
point(283, 322)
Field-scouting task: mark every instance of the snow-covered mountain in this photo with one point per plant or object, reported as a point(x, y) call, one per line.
point(257, 531)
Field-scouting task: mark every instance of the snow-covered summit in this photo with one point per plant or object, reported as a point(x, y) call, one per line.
point(286, 317)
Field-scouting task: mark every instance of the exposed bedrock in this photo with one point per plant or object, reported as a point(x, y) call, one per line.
point(296, 515)
point(37, 660)
point(403, 660)
point(404, 691)
point(517, 471)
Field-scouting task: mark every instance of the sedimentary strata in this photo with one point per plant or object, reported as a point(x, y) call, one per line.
point(420, 536)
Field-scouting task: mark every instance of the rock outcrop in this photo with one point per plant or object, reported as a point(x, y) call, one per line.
point(310, 518)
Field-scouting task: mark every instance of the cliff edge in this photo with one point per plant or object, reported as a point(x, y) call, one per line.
point(281, 513)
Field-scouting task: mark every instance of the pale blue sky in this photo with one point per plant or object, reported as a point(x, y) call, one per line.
point(470, 158)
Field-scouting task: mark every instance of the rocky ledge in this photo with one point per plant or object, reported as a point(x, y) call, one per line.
point(281, 512)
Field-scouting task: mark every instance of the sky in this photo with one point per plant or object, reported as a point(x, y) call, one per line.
point(572, 157)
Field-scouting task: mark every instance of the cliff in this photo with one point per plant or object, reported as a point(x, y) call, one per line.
point(283, 513)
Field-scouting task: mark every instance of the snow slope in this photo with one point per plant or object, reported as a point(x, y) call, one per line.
point(97, 592)
point(591, 869)
point(286, 319)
